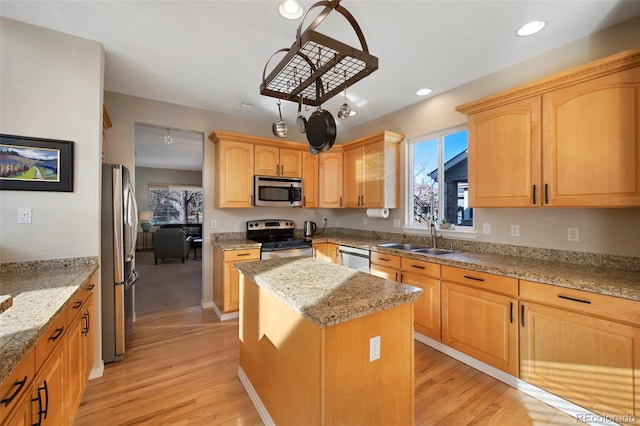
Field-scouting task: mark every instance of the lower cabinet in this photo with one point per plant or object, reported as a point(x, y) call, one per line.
point(326, 251)
point(479, 321)
point(226, 278)
point(15, 392)
point(593, 362)
point(49, 397)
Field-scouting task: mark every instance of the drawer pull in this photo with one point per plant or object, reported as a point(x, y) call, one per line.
point(383, 259)
point(19, 385)
point(91, 287)
point(77, 304)
point(418, 266)
point(57, 334)
point(396, 276)
point(469, 277)
point(243, 254)
point(573, 299)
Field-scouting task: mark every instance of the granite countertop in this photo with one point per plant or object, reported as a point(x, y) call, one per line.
point(6, 301)
point(39, 297)
point(326, 293)
point(240, 244)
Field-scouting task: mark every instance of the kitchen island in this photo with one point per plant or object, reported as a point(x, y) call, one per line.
point(310, 332)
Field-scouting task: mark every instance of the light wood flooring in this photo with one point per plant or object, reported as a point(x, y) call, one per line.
point(182, 365)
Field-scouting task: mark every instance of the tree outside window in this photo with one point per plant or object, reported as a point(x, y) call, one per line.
point(440, 179)
point(175, 204)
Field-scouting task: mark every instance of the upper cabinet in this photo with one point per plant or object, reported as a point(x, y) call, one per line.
point(234, 170)
point(569, 140)
point(310, 176)
point(371, 171)
point(274, 161)
point(330, 179)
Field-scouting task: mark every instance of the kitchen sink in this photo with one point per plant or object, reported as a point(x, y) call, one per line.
point(403, 246)
point(432, 251)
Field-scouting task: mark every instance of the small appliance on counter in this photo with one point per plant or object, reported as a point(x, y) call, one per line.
point(309, 228)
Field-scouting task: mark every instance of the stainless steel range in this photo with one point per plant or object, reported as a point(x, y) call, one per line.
point(276, 237)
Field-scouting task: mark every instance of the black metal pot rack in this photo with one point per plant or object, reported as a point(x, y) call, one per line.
point(316, 59)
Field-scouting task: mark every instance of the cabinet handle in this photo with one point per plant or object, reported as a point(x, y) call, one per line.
point(341, 201)
point(418, 266)
point(383, 259)
point(474, 278)
point(522, 315)
point(546, 193)
point(57, 334)
point(91, 287)
point(39, 401)
point(396, 276)
point(243, 254)
point(42, 413)
point(535, 190)
point(511, 312)
point(19, 385)
point(304, 201)
point(573, 299)
point(77, 304)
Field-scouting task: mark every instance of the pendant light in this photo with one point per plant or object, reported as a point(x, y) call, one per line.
point(168, 139)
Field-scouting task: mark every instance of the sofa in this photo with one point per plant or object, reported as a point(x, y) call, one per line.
point(170, 243)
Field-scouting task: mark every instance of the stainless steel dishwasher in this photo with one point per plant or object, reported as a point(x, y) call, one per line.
point(354, 258)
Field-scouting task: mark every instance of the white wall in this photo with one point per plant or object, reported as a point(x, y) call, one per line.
point(51, 86)
point(611, 231)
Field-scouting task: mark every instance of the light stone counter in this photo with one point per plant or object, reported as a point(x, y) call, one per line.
point(326, 293)
point(40, 295)
point(6, 301)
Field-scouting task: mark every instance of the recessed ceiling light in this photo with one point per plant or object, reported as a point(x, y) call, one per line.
point(423, 92)
point(244, 104)
point(290, 9)
point(530, 28)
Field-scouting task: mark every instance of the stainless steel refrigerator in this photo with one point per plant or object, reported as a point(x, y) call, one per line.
point(119, 233)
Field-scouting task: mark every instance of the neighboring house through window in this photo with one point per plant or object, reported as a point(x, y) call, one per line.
point(438, 179)
point(175, 204)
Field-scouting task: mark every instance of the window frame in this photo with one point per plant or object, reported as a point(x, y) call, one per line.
point(467, 232)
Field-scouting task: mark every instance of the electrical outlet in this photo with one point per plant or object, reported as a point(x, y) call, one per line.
point(364, 222)
point(24, 214)
point(374, 348)
point(214, 224)
point(515, 230)
point(573, 234)
point(396, 223)
point(486, 228)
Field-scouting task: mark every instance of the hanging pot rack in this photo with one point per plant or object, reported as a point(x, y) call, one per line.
point(316, 60)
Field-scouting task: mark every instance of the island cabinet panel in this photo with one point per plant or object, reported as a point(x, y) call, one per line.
point(305, 374)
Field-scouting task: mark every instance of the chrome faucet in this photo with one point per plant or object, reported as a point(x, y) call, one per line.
point(434, 236)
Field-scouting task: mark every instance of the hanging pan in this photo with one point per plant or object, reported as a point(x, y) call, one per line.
point(301, 121)
point(321, 127)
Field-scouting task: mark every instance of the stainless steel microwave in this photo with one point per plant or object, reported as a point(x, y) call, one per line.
point(277, 191)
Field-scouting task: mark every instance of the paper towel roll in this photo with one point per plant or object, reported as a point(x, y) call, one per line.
point(383, 213)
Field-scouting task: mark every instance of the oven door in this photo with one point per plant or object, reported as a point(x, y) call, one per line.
point(274, 254)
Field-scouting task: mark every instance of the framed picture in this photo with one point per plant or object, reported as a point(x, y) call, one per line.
point(34, 164)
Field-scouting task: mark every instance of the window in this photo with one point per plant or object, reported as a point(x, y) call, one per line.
point(175, 204)
point(438, 165)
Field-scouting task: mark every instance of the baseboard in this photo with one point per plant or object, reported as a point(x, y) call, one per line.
point(224, 317)
point(255, 399)
point(579, 413)
point(97, 372)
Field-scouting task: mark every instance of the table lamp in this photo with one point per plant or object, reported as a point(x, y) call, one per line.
point(145, 220)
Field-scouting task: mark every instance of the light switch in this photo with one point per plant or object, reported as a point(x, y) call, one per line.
point(24, 214)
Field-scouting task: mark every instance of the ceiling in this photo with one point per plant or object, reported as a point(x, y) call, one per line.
point(211, 54)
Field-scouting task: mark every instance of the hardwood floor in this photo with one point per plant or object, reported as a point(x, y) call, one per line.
point(182, 365)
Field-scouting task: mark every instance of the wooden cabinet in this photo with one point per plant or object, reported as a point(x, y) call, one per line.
point(226, 277)
point(15, 392)
point(49, 407)
point(426, 310)
point(325, 251)
point(569, 140)
point(274, 161)
point(479, 316)
point(234, 172)
point(330, 185)
point(385, 265)
point(582, 347)
point(310, 176)
point(371, 171)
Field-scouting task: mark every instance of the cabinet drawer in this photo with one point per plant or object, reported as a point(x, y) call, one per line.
point(420, 267)
point(50, 339)
point(17, 384)
point(624, 310)
point(234, 255)
point(483, 280)
point(384, 259)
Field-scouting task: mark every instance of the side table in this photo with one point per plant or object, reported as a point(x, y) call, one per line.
point(196, 243)
point(145, 244)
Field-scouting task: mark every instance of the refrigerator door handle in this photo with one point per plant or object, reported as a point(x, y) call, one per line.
point(118, 246)
point(132, 223)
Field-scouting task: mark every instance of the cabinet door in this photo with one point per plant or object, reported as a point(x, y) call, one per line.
point(426, 310)
point(331, 179)
point(232, 289)
point(15, 392)
point(373, 175)
point(310, 180)
point(234, 178)
point(586, 360)
point(49, 400)
point(290, 163)
point(74, 365)
point(385, 272)
point(481, 324)
point(267, 160)
point(88, 334)
point(504, 155)
point(21, 416)
point(352, 177)
point(592, 142)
